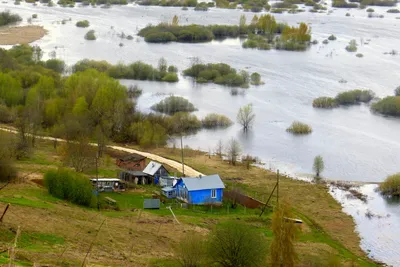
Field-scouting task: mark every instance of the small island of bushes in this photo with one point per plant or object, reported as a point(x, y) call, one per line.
point(83, 24)
point(90, 36)
point(345, 98)
point(214, 120)
point(134, 71)
point(263, 33)
point(389, 105)
point(299, 128)
point(173, 104)
point(220, 73)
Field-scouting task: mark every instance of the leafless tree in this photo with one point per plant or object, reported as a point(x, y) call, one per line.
point(79, 154)
point(233, 151)
point(219, 148)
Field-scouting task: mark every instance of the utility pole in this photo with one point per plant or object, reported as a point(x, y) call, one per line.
point(277, 187)
point(183, 164)
point(97, 181)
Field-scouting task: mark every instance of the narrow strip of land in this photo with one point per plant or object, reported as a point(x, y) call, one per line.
point(21, 35)
point(189, 171)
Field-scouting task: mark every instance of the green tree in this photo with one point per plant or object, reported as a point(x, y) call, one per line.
point(246, 116)
point(162, 66)
point(81, 107)
point(267, 25)
point(318, 166)
point(8, 171)
point(234, 244)
point(397, 91)
point(284, 235)
point(11, 91)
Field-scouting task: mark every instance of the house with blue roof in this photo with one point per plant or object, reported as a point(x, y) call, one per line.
point(200, 190)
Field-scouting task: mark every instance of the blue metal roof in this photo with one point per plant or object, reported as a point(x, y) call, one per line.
point(203, 182)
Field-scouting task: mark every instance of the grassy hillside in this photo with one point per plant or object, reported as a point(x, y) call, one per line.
point(58, 233)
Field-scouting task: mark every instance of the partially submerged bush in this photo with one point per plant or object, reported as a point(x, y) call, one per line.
point(173, 104)
point(69, 185)
point(344, 4)
point(8, 18)
point(393, 10)
point(391, 186)
point(214, 120)
point(390, 105)
point(359, 55)
point(90, 35)
point(255, 78)
point(324, 102)
point(354, 97)
point(332, 37)
point(134, 91)
point(83, 24)
point(370, 10)
point(352, 46)
point(170, 77)
point(299, 128)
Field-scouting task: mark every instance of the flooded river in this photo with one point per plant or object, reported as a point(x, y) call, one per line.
point(356, 145)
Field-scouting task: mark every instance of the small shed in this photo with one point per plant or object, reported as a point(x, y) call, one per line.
point(200, 190)
point(108, 184)
point(167, 181)
point(132, 162)
point(169, 192)
point(155, 170)
point(151, 203)
point(135, 177)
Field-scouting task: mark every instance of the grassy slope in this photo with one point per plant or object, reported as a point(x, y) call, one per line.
point(57, 232)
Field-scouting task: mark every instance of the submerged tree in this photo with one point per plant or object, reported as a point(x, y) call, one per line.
point(318, 166)
point(284, 235)
point(246, 116)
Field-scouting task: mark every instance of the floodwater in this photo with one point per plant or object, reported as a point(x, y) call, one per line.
point(377, 213)
point(356, 145)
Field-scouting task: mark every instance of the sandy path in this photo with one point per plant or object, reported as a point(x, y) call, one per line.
point(20, 35)
point(189, 171)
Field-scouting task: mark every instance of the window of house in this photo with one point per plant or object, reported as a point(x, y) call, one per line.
point(213, 193)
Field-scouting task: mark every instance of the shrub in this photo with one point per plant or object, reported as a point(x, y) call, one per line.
point(183, 122)
point(83, 24)
point(299, 128)
point(101, 66)
point(332, 37)
point(191, 250)
point(391, 186)
point(237, 244)
point(325, 41)
point(343, 4)
point(255, 78)
point(134, 91)
point(393, 10)
point(397, 91)
point(378, 2)
point(370, 10)
point(34, 16)
point(6, 116)
point(170, 77)
point(90, 35)
point(390, 105)
point(324, 102)
point(201, 7)
point(359, 55)
point(173, 104)
point(352, 46)
point(160, 37)
point(8, 18)
point(57, 65)
point(214, 120)
point(68, 185)
point(354, 97)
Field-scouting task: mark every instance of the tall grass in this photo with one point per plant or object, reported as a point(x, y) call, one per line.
point(391, 185)
point(299, 128)
point(354, 97)
point(69, 185)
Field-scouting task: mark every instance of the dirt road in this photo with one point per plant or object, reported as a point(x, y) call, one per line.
point(189, 171)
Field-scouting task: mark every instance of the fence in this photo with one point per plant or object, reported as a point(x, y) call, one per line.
point(244, 200)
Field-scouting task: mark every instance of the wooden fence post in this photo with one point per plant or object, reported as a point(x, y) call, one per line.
point(13, 247)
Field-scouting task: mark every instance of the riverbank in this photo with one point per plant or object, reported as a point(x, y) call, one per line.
point(21, 35)
point(326, 231)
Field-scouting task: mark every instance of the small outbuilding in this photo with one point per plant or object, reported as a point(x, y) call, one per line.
point(108, 184)
point(155, 170)
point(201, 190)
point(132, 162)
point(169, 192)
point(135, 177)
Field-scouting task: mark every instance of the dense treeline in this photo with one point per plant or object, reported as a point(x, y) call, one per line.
point(87, 106)
point(219, 73)
point(263, 33)
point(345, 98)
point(135, 71)
point(8, 18)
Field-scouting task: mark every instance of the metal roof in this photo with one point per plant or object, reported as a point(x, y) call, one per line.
point(135, 173)
point(204, 182)
point(133, 157)
point(152, 168)
point(106, 180)
point(168, 189)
